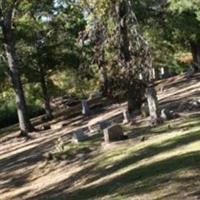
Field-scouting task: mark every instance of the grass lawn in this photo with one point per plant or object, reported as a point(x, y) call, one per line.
point(166, 165)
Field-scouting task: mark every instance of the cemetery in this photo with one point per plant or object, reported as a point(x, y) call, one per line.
point(99, 100)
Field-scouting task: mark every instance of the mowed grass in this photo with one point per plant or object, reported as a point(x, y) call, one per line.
point(165, 165)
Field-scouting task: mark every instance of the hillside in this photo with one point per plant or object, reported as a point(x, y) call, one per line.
point(154, 163)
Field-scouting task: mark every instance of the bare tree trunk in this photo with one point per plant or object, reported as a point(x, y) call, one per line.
point(44, 87)
point(195, 47)
point(153, 105)
point(24, 121)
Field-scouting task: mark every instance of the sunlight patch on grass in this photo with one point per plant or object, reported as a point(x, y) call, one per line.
point(165, 147)
point(126, 150)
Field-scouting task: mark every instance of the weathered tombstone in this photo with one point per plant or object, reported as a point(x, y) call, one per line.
point(98, 126)
point(44, 127)
point(164, 114)
point(162, 72)
point(104, 124)
point(140, 76)
point(153, 73)
point(79, 136)
point(153, 105)
point(168, 114)
point(189, 73)
point(113, 133)
point(126, 116)
point(85, 108)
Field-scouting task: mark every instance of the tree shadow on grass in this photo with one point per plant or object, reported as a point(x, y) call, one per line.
point(10, 165)
point(150, 176)
point(147, 131)
point(145, 153)
point(16, 181)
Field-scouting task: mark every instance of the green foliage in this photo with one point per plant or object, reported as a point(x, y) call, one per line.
point(69, 81)
point(69, 39)
point(8, 108)
point(8, 112)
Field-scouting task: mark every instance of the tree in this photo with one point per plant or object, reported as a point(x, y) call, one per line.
point(177, 21)
point(7, 9)
point(187, 25)
point(127, 52)
point(47, 38)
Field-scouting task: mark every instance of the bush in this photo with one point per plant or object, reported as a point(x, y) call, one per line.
point(9, 113)
point(8, 108)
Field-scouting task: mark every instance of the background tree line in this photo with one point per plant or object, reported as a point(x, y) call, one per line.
point(50, 48)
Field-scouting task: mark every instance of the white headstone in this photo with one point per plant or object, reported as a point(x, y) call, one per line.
point(162, 70)
point(126, 117)
point(140, 76)
point(85, 108)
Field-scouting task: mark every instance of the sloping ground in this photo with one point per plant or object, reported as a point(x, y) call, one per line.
point(156, 163)
point(175, 92)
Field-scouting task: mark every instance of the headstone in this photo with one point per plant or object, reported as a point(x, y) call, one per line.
point(104, 124)
point(113, 133)
point(194, 105)
point(189, 72)
point(126, 116)
point(44, 127)
point(168, 114)
point(98, 126)
point(85, 108)
point(162, 72)
point(140, 76)
point(79, 136)
point(152, 104)
point(164, 114)
point(153, 73)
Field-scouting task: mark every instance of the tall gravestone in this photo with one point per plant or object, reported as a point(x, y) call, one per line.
point(126, 116)
point(85, 108)
point(140, 76)
point(162, 72)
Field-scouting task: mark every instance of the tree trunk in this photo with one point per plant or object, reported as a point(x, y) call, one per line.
point(125, 54)
point(24, 121)
point(195, 47)
point(136, 95)
point(44, 87)
point(153, 105)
